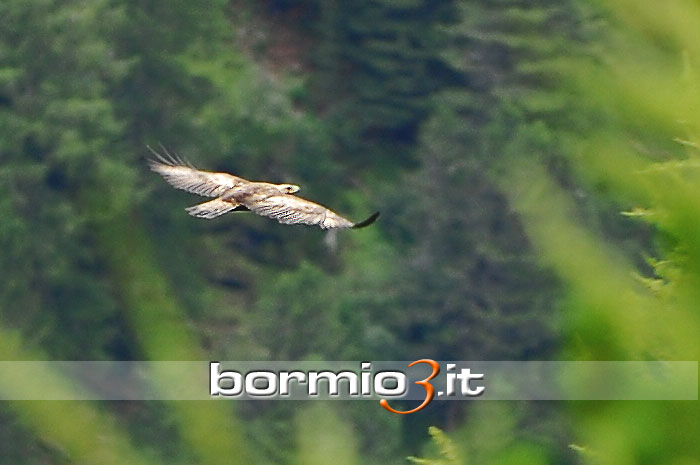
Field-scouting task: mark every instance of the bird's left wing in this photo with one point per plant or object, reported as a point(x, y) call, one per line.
point(290, 209)
point(182, 175)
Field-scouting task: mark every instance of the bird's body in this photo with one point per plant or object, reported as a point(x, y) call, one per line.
point(233, 193)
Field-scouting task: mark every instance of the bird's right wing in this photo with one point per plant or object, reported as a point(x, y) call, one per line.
point(182, 175)
point(290, 209)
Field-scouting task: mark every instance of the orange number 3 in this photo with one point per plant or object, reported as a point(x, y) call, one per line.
point(429, 388)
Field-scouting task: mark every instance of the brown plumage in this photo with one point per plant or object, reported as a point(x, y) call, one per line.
point(234, 193)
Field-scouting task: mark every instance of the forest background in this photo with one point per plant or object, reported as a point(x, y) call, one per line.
point(537, 168)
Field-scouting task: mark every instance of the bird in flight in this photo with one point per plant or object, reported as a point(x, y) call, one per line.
point(233, 193)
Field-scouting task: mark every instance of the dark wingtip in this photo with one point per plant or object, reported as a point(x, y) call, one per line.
point(165, 158)
point(366, 222)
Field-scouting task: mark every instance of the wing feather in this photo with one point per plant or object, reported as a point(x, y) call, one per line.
point(290, 209)
point(182, 175)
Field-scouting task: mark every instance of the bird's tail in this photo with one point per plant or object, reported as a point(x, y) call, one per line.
point(212, 209)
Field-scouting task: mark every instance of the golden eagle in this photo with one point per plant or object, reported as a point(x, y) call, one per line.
point(235, 194)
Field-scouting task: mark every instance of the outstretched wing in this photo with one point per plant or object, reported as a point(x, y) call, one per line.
point(182, 175)
point(290, 209)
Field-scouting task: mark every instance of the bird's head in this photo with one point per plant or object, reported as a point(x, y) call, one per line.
point(288, 188)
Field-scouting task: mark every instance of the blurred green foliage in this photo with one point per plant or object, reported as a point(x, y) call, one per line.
point(502, 141)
